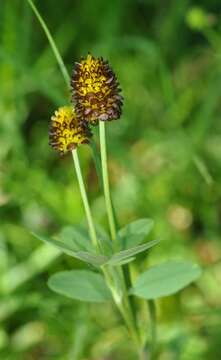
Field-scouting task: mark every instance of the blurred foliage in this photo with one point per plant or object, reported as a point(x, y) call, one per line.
point(164, 157)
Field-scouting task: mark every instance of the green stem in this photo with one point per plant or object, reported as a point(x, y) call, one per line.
point(123, 306)
point(85, 200)
point(153, 326)
point(110, 213)
point(52, 43)
point(121, 303)
point(126, 306)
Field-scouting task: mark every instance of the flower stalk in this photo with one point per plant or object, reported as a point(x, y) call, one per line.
point(87, 209)
point(128, 310)
point(107, 195)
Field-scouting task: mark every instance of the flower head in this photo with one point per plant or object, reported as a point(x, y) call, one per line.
point(65, 131)
point(96, 91)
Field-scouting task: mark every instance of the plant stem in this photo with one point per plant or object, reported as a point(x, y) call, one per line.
point(153, 326)
point(85, 199)
point(123, 306)
point(126, 306)
point(121, 303)
point(110, 213)
point(52, 43)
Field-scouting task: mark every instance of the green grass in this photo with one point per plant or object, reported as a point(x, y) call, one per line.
point(164, 157)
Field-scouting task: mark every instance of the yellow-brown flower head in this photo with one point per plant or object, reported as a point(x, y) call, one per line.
point(96, 91)
point(65, 131)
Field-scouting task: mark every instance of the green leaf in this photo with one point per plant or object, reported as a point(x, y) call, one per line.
point(92, 258)
point(104, 240)
point(67, 249)
point(126, 261)
point(120, 257)
point(81, 285)
point(77, 237)
point(135, 232)
point(165, 279)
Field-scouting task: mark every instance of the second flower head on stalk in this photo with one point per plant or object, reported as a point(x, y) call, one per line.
point(66, 132)
point(95, 91)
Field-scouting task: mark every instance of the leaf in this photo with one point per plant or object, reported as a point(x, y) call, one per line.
point(165, 279)
point(121, 256)
point(104, 240)
point(63, 247)
point(81, 285)
point(94, 259)
point(126, 261)
point(135, 232)
point(77, 237)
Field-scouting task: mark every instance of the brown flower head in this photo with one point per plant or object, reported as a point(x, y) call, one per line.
point(65, 131)
point(96, 91)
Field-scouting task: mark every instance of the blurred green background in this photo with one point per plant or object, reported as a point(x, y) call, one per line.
point(164, 159)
